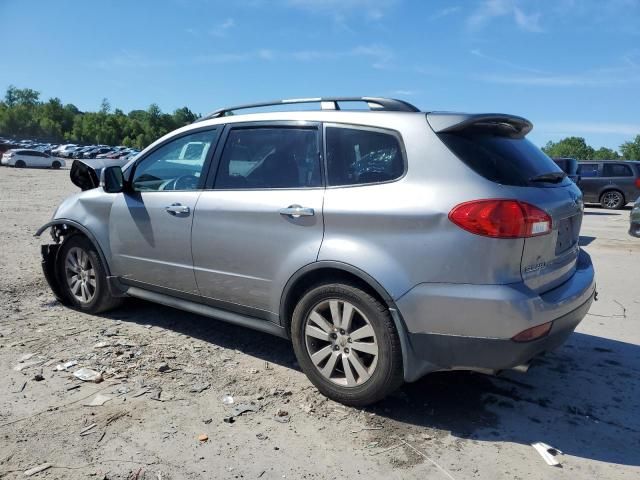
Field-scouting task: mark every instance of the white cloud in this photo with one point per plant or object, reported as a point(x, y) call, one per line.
point(591, 79)
point(506, 63)
point(445, 12)
point(490, 10)
point(129, 60)
point(223, 28)
point(404, 93)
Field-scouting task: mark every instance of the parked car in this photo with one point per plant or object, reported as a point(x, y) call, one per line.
point(21, 158)
point(456, 248)
point(569, 166)
point(634, 219)
point(57, 152)
point(94, 152)
point(612, 184)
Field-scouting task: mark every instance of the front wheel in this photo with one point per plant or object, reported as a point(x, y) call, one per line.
point(55, 165)
point(346, 343)
point(82, 276)
point(612, 200)
point(20, 164)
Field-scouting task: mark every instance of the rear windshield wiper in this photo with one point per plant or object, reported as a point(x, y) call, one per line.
point(551, 177)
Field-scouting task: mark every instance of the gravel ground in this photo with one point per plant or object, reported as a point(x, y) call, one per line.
point(166, 373)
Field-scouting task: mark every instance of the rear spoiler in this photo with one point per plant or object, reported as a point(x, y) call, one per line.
point(510, 125)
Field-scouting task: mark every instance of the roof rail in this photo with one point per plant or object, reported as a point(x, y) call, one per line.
point(326, 103)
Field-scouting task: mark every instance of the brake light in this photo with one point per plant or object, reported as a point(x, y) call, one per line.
point(498, 218)
point(637, 182)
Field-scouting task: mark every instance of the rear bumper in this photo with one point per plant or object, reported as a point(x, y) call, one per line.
point(456, 326)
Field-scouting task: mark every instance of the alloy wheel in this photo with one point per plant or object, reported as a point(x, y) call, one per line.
point(611, 199)
point(80, 275)
point(341, 342)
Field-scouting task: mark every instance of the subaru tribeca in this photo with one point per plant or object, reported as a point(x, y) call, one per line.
point(385, 243)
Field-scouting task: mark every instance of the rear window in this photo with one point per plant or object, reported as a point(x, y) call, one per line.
point(616, 170)
point(504, 160)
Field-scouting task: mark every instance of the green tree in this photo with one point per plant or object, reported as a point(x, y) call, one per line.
point(604, 153)
point(631, 150)
point(574, 147)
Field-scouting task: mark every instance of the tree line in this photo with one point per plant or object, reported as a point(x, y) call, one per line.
point(24, 115)
point(577, 147)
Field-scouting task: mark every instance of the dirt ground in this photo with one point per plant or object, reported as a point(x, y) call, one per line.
point(166, 374)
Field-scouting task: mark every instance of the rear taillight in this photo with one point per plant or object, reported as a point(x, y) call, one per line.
point(637, 182)
point(501, 218)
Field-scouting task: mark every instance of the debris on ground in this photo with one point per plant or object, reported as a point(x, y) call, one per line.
point(227, 400)
point(66, 366)
point(163, 367)
point(98, 400)
point(203, 437)
point(547, 453)
point(199, 387)
point(88, 375)
point(87, 430)
point(281, 416)
point(243, 408)
point(40, 468)
point(38, 377)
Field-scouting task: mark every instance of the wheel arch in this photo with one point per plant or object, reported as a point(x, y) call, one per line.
point(612, 188)
point(324, 270)
point(74, 227)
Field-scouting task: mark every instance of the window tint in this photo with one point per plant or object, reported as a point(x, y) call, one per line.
point(356, 156)
point(616, 170)
point(501, 159)
point(176, 165)
point(270, 158)
point(588, 170)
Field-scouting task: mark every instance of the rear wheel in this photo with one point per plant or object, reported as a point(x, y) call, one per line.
point(612, 200)
point(346, 343)
point(56, 165)
point(20, 164)
point(82, 276)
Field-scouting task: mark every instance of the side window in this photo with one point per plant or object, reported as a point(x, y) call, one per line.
point(616, 170)
point(176, 165)
point(278, 157)
point(356, 156)
point(588, 170)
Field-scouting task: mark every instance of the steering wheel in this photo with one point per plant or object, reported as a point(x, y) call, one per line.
point(183, 182)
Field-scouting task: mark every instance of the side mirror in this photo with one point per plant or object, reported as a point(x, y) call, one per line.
point(111, 179)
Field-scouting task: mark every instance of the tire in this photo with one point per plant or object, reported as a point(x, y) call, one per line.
point(56, 165)
point(20, 164)
point(372, 375)
point(612, 200)
point(77, 255)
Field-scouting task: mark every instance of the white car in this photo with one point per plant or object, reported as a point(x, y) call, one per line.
point(63, 149)
point(21, 158)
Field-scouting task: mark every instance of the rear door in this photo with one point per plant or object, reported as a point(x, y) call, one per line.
point(590, 180)
point(150, 223)
point(621, 177)
point(261, 218)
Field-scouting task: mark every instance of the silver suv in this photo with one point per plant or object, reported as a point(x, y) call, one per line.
point(385, 242)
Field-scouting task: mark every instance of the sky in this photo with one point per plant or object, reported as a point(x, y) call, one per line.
point(570, 66)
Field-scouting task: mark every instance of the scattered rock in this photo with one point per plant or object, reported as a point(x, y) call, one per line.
point(199, 387)
point(227, 400)
point(261, 436)
point(26, 357)
point(203, 437)
point(102, 345)
point(163, 367)
point(243, 408)
point(98, 400)
point(38, 377)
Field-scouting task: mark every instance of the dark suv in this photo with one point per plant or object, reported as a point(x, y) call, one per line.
point(570, 167)
point(612, 184)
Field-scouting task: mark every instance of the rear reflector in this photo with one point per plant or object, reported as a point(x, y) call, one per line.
point(501, 218)
point(533, 333)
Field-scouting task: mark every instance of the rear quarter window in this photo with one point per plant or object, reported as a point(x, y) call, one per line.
point(616, 170)
point(357, 156)
point(501, 159)
point(588, 170)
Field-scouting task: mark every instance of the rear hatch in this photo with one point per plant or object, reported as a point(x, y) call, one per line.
point(495, 147)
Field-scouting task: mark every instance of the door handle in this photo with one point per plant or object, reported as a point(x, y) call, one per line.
point(177, 208)
point(296, 211)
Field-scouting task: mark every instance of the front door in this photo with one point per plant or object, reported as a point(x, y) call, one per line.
point(150, 223)
point(262, 219)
